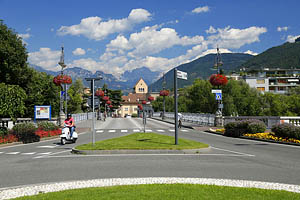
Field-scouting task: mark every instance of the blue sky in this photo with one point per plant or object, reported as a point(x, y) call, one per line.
point(116, 35)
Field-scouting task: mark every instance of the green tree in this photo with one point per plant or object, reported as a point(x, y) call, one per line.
point(12, 101)
point(13, 67)
point(200, 97)
point(75, 93)
point(41, 90)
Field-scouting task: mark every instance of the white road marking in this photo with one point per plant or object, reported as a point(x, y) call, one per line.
point(160, 130)
point(46, 153)
point(172, 130)
point(30, 153)
point(240, 153)
point(124, 131)
point(112, 131)
point(49, 147)
point(148, 130)
point(12, 153)
point(1, 152)
point(49, 156)
point(184, 130)
point(129, 155)
point(100, 131)
point(136, 130)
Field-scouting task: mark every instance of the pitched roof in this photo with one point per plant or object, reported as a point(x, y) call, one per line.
point(133, 97)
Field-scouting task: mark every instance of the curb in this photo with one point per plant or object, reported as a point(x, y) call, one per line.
point(149, 151)
point(257, 139)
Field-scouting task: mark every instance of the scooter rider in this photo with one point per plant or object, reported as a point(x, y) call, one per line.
point(69, 122)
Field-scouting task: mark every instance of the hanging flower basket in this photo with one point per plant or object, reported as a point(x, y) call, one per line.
point(62, 79)
point(150, 98)
point(108, 102)
point(99, 93)
point(110, 106)
point(218, 79)
point(144, 102)
point(164, 93)
point(106, 98)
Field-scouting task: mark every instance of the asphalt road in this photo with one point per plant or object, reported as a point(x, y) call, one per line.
point(228, 158)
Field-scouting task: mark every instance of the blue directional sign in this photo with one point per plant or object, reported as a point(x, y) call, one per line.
point(218, 96)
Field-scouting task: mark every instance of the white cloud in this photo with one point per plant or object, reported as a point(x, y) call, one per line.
point(211, 30)
point(28, 29)
point(150, 41)
point(24, 36)
point(52, 29)
point(78, 52)
point(284, 28)
point(96, 29)
point(251, 53)
point(45, 58)
point(292, 38)
point(201, 9)
point(232, 38)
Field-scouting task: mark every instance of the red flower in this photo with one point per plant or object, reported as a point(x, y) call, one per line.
point(105, 98)
point(99, 93)
point(164, 93)
point(108, 102)
point(62, 79)
point(150, 98)
point(110, 106)
point(144, 102)
point(218, 79)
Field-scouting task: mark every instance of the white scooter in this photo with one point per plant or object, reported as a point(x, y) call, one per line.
point(65, 136)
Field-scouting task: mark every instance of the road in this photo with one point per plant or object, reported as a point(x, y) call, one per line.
point(228, 158)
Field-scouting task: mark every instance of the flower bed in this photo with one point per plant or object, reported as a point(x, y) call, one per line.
point(271, 136)
point(43, 133)
point(8, 139)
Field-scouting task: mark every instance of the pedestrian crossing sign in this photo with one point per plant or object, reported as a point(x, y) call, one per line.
point(218, 96)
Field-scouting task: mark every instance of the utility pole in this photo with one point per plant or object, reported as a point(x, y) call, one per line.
point(62, 91)
point(93, 104)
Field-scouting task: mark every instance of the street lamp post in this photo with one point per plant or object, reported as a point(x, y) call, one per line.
point(63, 65)
point(164, 98)
point(93, 104)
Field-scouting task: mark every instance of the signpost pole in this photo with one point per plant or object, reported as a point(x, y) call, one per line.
point(175, 106)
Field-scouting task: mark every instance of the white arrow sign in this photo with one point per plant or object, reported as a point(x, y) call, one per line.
point(181, 75)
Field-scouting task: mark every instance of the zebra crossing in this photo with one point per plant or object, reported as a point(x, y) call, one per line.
point(3, 153)
point(138, 130)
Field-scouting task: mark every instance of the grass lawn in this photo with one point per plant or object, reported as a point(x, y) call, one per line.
point(167, 192)
point(143, 141)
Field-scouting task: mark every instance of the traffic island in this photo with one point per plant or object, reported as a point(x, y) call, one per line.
point(143, 143)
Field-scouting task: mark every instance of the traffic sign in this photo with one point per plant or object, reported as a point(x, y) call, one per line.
point(216, 91)
point(218, 96)
point(181, 75)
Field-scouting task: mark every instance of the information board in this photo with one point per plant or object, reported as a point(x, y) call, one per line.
point(42, 112)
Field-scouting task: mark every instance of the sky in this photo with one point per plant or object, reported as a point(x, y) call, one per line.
point(117, 35)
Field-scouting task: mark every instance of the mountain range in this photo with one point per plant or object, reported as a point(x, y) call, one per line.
point(125, 83)
point(286, 55)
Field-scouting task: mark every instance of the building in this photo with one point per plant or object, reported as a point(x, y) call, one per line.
point(278, 81)
point(130, 103)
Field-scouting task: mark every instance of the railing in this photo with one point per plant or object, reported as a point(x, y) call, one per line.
point(9, 123)
point(197, 118)
point(268, 120)
point(83, 116)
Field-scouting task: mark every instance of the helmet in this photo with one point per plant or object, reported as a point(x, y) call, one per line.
point(69, 115)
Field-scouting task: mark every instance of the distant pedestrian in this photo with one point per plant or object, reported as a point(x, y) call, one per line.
point(179, 120)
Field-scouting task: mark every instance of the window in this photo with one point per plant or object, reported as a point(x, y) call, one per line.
point(261, 88)
point(126, 109)
point(260, 81)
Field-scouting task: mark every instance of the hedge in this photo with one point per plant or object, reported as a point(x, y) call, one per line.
point(239, 128)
